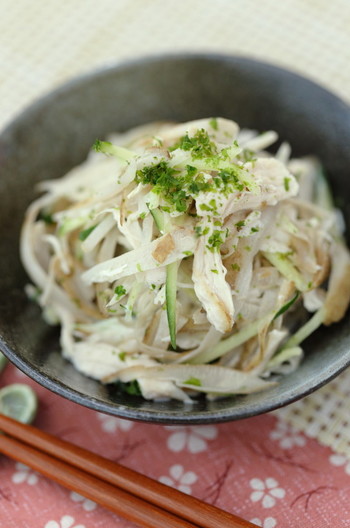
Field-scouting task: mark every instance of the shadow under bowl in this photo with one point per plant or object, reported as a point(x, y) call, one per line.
point(56, 133)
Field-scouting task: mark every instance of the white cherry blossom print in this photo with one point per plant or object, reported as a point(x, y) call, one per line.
point(269, 522)
point(267, 491)
point(179, 479)
point(111, 424)
point(67, 521)
point(341, 460)
point(193, 438)
point(87, 504)
point(287, 435)
point(24, 474)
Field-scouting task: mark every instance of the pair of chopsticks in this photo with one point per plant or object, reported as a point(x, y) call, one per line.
point(135, 497)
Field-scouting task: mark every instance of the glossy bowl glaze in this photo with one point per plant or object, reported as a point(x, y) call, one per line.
point(56, 134)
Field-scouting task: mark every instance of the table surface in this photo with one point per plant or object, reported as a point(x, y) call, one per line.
point(287, 468)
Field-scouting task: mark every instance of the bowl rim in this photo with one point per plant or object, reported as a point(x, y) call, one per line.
point(82, 78)
point(189, 414)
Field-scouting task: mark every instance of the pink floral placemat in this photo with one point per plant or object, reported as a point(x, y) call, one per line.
point(259, 468)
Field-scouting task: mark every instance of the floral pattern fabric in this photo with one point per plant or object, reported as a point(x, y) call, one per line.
point(258, 468)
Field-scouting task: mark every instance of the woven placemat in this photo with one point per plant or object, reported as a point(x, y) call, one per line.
point(42, 44)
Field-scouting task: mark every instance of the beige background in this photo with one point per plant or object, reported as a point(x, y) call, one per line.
point(45, 42)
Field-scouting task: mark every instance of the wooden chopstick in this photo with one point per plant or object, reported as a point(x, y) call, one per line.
point(118, 501)
point(134, 496)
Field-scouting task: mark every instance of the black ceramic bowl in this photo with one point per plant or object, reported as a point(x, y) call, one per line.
point(56, 133)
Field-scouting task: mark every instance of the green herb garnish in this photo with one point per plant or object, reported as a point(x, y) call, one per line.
point(193, 381)
point(46, 217)
point(286, 183)
point(200, 144)
point(247, 155)
point(167, 182)
point(119, 291)
point(86, 232)
point(213, 122)
point(132, 387)
point(215, 240)
point(229, 180)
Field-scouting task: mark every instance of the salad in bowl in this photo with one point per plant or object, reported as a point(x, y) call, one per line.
point(187, 258)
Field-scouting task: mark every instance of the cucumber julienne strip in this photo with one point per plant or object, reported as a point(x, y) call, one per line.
point(232, 342)
point(286, 268)
point(253, 329)
point(158, 218)
point(170, 295)
point(113, 150)
point(306, 330)
point(170, 283)
point(286, 306)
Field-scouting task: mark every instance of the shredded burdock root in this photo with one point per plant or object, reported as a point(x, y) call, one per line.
point(181, 259)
